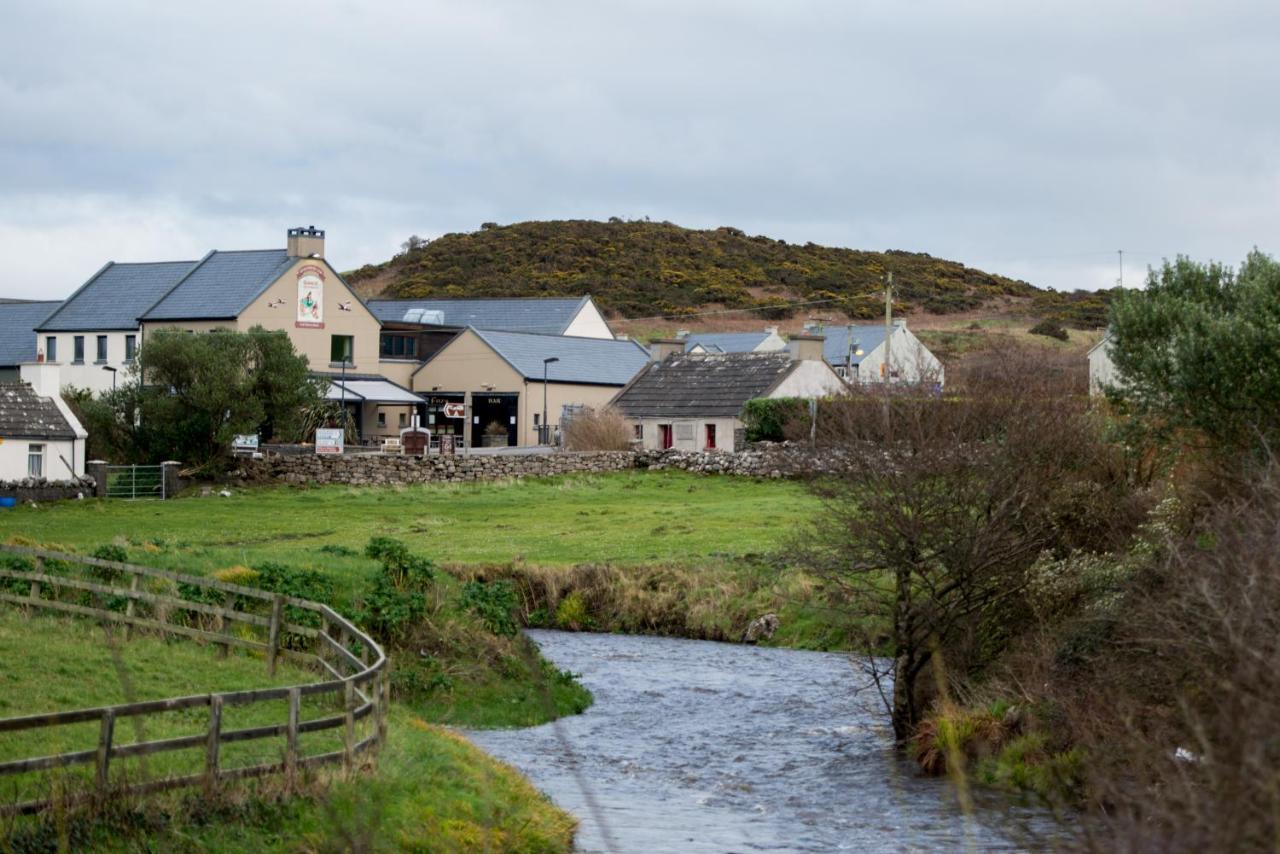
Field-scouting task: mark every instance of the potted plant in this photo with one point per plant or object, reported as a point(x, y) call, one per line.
point(494, 436)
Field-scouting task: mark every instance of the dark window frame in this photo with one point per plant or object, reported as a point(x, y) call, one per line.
point(78, 349)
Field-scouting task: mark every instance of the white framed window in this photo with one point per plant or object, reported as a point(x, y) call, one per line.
point(35, 460)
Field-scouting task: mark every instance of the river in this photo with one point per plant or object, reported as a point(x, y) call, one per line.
point(694, 746)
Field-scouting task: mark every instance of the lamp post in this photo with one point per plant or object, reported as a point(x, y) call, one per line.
point(545, 426)
point(113, 375)
point(343, 385)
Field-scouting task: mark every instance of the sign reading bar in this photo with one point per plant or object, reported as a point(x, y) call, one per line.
point(310, 297)
point(329, 441)
point(455, 410)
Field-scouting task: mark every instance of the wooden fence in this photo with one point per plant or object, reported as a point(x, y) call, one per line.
point(351, 667)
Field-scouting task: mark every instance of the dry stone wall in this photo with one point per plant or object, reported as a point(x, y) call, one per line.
point(771, 461)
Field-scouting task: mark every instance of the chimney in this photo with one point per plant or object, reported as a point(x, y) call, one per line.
point(305, 242)
point(772, 330)
point(806, 347)
point(661, 348)
point(42, 376)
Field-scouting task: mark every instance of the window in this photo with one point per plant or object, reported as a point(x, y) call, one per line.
point(51, 348)
point(35, 460)
point(102, 348)
point(79, 348)
point(537, 418)
point(382, 419)
point(398, 346)
point(639, 428)
point(130, 347)
point(711, 437)
point(341, 348)
point(404, 419)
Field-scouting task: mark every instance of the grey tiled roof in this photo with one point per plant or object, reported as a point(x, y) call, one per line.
point(26, 415)
point(116, 296)
point(595, 361)
point(726, 342)
point(18, 321)
point(691, 385)
point(551, 315)
point(222, 285)
point(867, 337)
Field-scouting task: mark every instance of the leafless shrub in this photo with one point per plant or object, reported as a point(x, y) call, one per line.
point(941, 505)
point(602, 429)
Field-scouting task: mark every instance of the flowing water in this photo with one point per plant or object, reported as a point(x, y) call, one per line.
point(694, 746)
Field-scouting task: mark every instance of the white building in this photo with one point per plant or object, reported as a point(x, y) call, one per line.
point(1102, 371)
point(694, 401)
point(857, 351)
point(94, 336)
point(40, 438)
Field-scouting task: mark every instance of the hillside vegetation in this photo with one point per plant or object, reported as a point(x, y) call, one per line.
point(646, 269)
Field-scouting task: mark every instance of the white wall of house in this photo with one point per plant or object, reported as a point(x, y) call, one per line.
point(688, 434)
point(88, 372)
point(60, 459)
point(811, 378)
point(1102, 371)
point(910, 360)
point(589, 323)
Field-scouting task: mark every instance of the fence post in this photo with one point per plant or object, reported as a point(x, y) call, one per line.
point(291, 737)
point(273, 634)
point(35, 585)
point(384, 704)
point(130, 607)
point(228, 604)
point(213, 745)
point(106, 734)
point(349, 727)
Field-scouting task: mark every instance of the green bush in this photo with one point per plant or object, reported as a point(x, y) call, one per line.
point(398, 597)
point(766, 419)
point(572, 613)
point(493, 603)
point(1050, 329)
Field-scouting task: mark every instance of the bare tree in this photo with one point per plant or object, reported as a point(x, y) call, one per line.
point(935, 510)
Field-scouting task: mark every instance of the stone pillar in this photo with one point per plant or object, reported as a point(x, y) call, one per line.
point(97, 469)
point(172, 483)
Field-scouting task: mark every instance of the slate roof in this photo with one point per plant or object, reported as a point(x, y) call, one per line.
point(703, 385)
point(18, 321)
point(221, 285)
point(116, 296)
point(26, 415)
point(726, 342)
point(588, 361)
point(550, 315)
point(835, 349)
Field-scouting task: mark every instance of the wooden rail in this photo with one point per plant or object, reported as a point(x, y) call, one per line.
point(139, 597)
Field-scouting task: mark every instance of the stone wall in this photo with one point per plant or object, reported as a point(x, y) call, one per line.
point(371, 469)
point(31, 489)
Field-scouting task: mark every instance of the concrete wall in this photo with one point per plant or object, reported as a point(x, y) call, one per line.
point(589, 323)
point(694, 431)
point(1102, 371)
point(910, 359)
point(13, 458)
point(89, 373)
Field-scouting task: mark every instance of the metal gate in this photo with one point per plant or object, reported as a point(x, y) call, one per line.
point(135, 482)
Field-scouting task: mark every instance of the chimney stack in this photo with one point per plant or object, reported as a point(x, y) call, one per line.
point(661, 348)
point(306, 241)
point(806, 347)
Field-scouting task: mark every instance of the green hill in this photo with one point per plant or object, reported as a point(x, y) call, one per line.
point(643, 269)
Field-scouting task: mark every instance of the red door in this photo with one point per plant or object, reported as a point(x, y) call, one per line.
point(711, 437)
point(664, 432)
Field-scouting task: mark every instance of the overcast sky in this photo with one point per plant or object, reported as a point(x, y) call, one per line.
point(1029, 139)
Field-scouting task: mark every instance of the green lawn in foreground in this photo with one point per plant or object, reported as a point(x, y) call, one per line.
point(625, 517)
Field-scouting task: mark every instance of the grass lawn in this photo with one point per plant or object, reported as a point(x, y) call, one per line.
point(625, 517)
point(432, 791)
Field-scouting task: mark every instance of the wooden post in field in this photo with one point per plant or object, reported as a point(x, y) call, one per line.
point(228, 604)
point(106, 734)
point(349, 728)
point(384, 703)
point(35, 585)
point(213, 745)
point(273, 634)
point(131, 606)
point(291, 737)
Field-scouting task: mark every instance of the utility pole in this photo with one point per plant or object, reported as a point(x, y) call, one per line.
point(1121, 253)
point(888, 328)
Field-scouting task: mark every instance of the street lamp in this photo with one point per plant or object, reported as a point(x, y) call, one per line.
point(113, 375)
point(545, 426)
point(343, 385)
